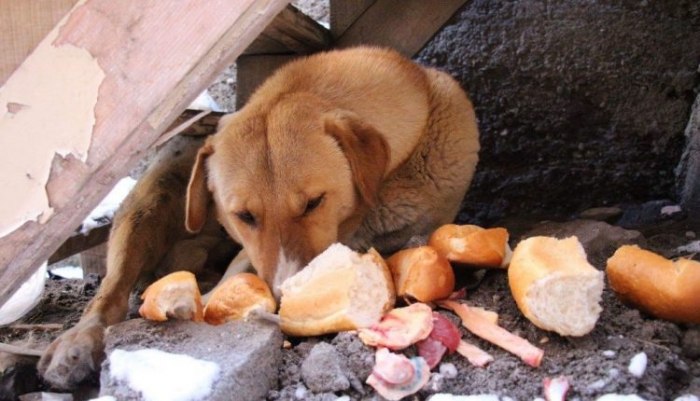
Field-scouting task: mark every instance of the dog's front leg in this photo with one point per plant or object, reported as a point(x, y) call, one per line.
point(239, 264)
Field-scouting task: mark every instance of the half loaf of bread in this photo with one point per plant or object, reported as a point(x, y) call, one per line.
point(554, 285)
point(236, 297)
point(339, 290)
point(421, 273)
point(472, 245)
point(663, 288)
point(173, 296)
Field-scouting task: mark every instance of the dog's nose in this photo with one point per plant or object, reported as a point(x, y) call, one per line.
point(286, 268)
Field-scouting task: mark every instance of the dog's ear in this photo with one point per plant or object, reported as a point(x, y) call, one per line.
point(198, 196)
point(365, 148)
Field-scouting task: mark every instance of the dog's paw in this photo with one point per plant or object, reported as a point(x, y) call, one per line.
point(74, 356)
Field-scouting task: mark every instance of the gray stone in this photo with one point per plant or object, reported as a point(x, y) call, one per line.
point(42, 396)
point(324, 371)
point(691, 343)
point(607, 214)
point(248, 353)
point(599, 239)
point(18, 375)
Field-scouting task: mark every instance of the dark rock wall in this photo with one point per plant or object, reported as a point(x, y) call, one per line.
point(580, 103)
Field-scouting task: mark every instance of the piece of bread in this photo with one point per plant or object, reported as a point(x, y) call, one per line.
point(176, 296)
point(339, 290)
point(472, 245)
point(554, 285)
point(663, 288)
point(421, 273)
point(236, 297)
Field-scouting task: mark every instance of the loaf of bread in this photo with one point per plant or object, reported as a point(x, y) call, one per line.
point(472, 245)
point(339, 290)
point(173, 296)
point(236, 297)
point(663, 288)
point(422, 274)
point(554, 285)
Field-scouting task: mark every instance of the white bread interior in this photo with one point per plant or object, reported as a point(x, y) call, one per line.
point(339, 290)
point(554, 285)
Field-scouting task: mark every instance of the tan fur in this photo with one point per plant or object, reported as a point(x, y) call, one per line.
point(388, 147)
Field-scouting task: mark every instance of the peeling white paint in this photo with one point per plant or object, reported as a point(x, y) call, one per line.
point(57, 88)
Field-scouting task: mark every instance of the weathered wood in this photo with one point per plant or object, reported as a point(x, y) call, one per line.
point(148, 60)
point(345, 12)
point(291, 31)
point(94, 260)
point(253, 70)
point(405, 25)
point(79, 243)
point(23, 24)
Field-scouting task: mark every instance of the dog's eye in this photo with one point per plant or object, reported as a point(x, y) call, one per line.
point(246, 217)
point(313, 204)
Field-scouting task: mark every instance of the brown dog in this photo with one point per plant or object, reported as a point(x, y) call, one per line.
point(358, 146)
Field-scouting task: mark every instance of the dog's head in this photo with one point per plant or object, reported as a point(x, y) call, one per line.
point(287, 181)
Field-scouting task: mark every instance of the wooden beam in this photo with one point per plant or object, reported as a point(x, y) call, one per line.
point(253, 70)
point(23, 24)
point(405, 25)
point(344, 13)
point(79, 243)
point(126, 71)
point(291, 31)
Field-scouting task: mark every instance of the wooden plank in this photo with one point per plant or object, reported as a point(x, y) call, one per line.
point(253, 70)
point(79, 243)
point(131, 68)
point(345, 12)
point(94, 260)
point(405, 25)
point(291, 31)
point(23, 24)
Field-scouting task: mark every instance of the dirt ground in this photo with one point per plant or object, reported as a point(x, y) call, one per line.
point(595, 364)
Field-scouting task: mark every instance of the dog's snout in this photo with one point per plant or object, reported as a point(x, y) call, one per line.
point(286, 267)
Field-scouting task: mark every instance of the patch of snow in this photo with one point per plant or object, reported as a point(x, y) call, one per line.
point(687, 397)
point(448, 370)
point(609, 353)
point(693, 247)
point(104, 398)
point(669, 210)
point(109, 204)
point(450, 397)
point(300, 393)
point(343, 398)
point(638, 365)
point(620, 397)
point(162, 376)
point(25, 298)
point(204, 102)
point(70, 272)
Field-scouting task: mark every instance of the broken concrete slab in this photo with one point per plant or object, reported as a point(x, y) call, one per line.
point(323, 370)
point(248, 354)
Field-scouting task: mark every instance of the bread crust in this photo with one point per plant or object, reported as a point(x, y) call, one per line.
point(421, 273)
point(660, 287)
point(236, 297)
point(175, 295)
point(472, 245)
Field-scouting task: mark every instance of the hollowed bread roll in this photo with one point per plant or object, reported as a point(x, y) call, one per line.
point(236, 297)
point(421, 273)
point(472, 245)
point(663, 288)
point(339, 290)
point(554, 285)
point(173, 296)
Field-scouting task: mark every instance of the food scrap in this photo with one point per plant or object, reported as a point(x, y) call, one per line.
point(400, 328)
point(173, 296)
point(475, 355)
point(483, 328)
point(394, 376)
